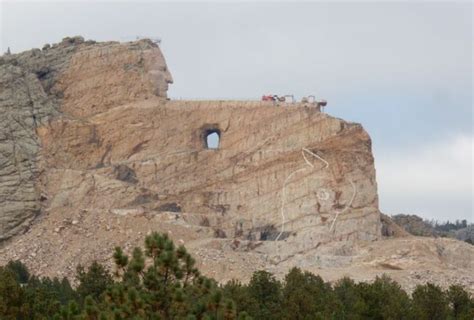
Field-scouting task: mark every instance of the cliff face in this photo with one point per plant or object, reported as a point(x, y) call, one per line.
point(279, 172)
point(101, 157)
point(34, 86)
point(26, 102)
point(286, 172)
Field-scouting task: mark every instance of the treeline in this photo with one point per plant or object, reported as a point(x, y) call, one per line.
point(459, 229)
point(162, 282)
point(449, 226)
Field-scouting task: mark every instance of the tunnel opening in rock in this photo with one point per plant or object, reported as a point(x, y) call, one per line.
point(212, 137)
point(268, 233)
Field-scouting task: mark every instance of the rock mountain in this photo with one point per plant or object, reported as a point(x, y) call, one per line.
point(93, 154)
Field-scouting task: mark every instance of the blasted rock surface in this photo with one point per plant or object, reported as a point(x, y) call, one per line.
point(31, 95)
point(279, 172)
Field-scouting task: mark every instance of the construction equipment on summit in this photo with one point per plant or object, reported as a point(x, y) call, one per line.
point(321, 104)
point(273, 97)
point(312, 100)
point(280, 99)
point(155, 40)
point(276, 98)
point(290, 96)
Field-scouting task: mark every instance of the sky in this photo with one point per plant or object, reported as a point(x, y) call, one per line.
point(401, 69)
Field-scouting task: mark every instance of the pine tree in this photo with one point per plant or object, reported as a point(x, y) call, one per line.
point(11, 295)
point(92, 282)
point(265, 291)
point(462, 307)
point(385, 299)
point(305, 296)
point(235, 291)
point(352, 304)
point(429, 303)
point(162, 282)
point(20, 270)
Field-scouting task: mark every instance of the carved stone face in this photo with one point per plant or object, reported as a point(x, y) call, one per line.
point(157, 71)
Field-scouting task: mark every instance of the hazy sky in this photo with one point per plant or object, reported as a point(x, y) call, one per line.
point(403, 70)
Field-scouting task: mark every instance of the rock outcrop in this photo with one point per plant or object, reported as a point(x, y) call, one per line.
point(292, 171)
point(34, 85)
point(92, 147)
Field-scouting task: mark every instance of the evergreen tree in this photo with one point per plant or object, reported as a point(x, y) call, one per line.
point(235, 291)
point(352, 304)
point(11, 296)
point(45, 296)
point(462, 307)
point(305, 296)
point(384, 299)
point(429, 303)
point(162, 282)
point(20, 270)
point(265, 292)
point(92, 282)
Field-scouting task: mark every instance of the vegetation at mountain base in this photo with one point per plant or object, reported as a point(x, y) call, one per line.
point(160, 281)
point(417, 226)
